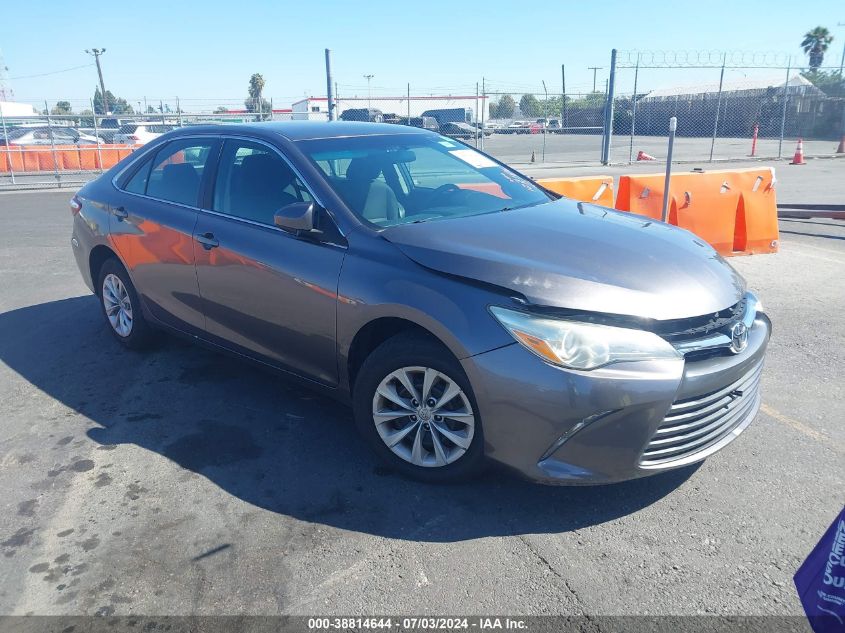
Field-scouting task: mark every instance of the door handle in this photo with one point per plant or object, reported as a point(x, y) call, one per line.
point(120, 213)
point(208, 241)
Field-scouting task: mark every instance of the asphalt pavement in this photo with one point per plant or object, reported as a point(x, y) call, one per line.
point(180, 481)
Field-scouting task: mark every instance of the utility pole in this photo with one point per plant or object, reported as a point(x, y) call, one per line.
point(329, 85)
point(369, 94)
point(841, 61)
point(96, 52)
point(594, 69)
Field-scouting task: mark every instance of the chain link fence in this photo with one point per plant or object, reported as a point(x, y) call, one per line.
point(728, 107)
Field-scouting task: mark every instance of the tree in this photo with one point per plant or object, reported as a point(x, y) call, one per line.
point(221, 110)
point(116, 105)
point(61, 108)
point(815, 44)
point(830, 83)
point(528, 105)
point(506, 107)
point(255, 102)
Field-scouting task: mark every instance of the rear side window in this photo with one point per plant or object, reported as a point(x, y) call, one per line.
point(127, 129)
point(177, 171)
point(138, 182)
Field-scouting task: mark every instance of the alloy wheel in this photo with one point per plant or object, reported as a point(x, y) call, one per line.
point(117, 304)
point(423, 416)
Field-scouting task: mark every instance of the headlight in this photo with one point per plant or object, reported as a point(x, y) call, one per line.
point(579, 345)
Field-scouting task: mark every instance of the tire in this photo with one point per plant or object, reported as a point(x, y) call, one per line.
point(139, 334)
point(442, 459)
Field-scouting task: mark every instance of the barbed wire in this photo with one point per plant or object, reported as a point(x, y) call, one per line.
point(704, 59)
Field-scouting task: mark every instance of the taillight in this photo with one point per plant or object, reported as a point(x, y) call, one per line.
point(75, 205)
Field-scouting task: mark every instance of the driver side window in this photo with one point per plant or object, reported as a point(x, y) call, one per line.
point(253, 182)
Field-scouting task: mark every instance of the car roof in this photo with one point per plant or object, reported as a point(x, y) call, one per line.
point(308, 130)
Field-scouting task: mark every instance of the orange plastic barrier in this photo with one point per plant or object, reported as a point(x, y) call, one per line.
point(32, 158)
point(109, 155)
point(88, 157)
point(734, 210)
point(757, 214)
point(11, 159)
point(596, 189)
point(70, 159)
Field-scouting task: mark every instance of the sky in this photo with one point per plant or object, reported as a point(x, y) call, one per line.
point(204, 52)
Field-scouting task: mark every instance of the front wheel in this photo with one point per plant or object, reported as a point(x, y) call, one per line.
point(415, 407)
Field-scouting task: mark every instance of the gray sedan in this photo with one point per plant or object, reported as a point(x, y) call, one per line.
point(465, 313)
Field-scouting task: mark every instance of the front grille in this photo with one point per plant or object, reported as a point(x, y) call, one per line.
point(695, 424)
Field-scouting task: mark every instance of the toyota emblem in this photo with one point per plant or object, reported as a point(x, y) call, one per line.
point(739, 337)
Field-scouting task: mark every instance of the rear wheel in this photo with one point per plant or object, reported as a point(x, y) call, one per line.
point(121, 306)
point(415, 407)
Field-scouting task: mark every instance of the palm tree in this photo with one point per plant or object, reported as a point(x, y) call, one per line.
point(256, 87)
point(815, 44)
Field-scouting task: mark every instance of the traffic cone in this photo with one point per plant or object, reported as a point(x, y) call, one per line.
point(533, 157)
point(841, 148)
point(641, 155)
point(798, 159)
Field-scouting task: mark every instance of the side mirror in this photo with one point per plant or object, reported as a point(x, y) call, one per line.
point(298, 218)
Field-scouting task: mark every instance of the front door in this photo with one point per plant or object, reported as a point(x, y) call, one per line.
point(266, 292)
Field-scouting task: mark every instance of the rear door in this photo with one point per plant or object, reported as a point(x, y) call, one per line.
point(267, 293)
point(152, 230)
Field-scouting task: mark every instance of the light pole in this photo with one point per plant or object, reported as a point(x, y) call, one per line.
point(96, 52)
point(369, 93)
point(594, 69)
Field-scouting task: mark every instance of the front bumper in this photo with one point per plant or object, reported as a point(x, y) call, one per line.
point(555, 425)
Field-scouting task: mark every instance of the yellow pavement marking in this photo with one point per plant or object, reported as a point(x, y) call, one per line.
point(803, 428)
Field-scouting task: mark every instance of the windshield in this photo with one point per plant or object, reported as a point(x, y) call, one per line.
point(405, 178)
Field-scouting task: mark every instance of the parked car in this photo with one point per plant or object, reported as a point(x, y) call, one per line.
point(462, 311)
point(373, 115)
point(449, 115)
point(425, 122)
point(516, 127)
point(140, 132)
point(554, 126)
point(41, 135)
point(459, 130)
point(107, 127)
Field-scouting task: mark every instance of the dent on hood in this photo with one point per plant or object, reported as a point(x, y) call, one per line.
point(579, 258)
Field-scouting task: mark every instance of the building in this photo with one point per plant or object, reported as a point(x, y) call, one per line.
point(13, 108)
point(317, 108)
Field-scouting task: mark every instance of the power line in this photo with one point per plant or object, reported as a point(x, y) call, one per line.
point(54, 72)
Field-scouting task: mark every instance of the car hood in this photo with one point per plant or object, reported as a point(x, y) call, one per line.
point(581, 257)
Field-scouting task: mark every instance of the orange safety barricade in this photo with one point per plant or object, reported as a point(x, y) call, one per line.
point(124, 150)
point(734, 210)
point(756, 222)
point(49, 157)
point(701, 202)
point(108, 157)
point(596, 189)
point(12, 159)
point(30, 154)
point(757, 214)
point(69, 159)
point(88, 157)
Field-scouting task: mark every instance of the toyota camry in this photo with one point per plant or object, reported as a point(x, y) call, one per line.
point(465, 313)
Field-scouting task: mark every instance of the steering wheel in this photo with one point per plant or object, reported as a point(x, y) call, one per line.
point(447, 188)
